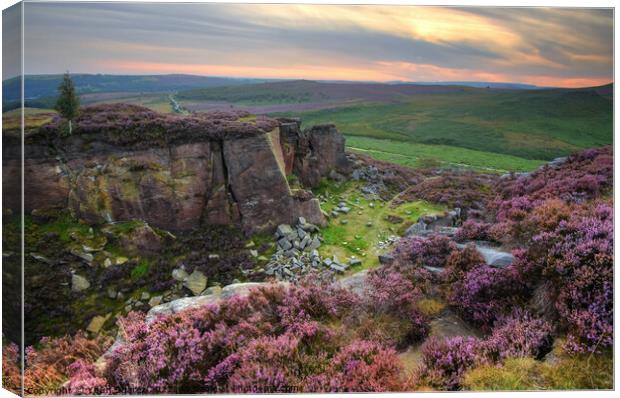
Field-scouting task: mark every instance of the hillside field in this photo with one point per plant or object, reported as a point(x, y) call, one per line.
point(505, 130)
point(491, 129)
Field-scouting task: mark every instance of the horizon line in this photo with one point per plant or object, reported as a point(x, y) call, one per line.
point(421, 82)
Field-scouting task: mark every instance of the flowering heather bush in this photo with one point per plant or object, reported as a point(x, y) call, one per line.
point(175, 353)
point(361, 366)
point(48, 365)
point(84, 381)
point(391, 303)
point(126, 124)
point(445, 361)
point(577, 258)
point(274, 340)
point(519, 335)
point(583, 176)
point(11, 374)
point(460, 262)
point(282, 363)
point(465, 190)
point(522, 225)
point(485, 294)
point(418, 250)
point(472, 230)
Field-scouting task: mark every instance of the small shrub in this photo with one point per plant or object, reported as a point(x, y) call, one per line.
point(473, 230)
point(274, 340)
point(48, 365)
point(460, 262)
point(444, 362)
point(519, 335)
point(390, 296)
point(361, 366)
point(11, 373)
point(464, 190)
point(84, 381)
point(419, 251)
point(485, 294)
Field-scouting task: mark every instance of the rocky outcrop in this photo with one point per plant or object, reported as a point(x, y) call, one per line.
point(312, 153)
point(125, 162)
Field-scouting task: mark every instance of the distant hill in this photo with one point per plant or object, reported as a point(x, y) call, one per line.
point(512, 86)
point(39, 86)
point(313, 91)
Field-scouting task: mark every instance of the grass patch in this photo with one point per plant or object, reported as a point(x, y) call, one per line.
point(576, 372)
point(430, 307)
point(367, 224)
point(140, 270)
point(420, 155)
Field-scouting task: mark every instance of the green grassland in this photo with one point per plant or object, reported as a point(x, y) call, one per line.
point(513, 130)
point(366, 224)
point(537, 125)
point(415, 155)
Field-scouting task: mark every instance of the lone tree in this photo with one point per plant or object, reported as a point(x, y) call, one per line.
point(68, 103)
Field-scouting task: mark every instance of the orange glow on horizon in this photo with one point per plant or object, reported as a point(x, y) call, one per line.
point(289, 72)
point(383, 72)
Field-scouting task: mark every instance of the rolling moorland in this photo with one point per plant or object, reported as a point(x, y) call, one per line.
point(494, 129)
point(407, 260)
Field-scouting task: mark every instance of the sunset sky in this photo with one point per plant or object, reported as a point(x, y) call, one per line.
point(547, 47)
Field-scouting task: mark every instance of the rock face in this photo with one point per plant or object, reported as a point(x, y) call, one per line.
point(312, 153)
point(175, 173)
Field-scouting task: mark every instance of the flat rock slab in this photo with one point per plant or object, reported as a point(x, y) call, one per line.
point(356, 283)
point(449, 324)
point(179, 305)
point(493, 257)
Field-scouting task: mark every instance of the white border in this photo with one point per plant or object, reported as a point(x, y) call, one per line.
point(522, 3)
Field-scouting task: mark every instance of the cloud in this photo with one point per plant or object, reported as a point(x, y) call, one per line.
point(283, 40)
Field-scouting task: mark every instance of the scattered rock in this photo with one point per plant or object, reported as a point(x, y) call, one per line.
point(354, 261)
point(97, 322)
point(40, 258)
point(112, 293)
point(142, 240)
point(84, 256)
point(284, 244)
point(196, 282)
point(386, 259)
point(79, 283)
point(179, 275)
point(155, 301)
point(121, 260)
point(419, 228)
point(284, 230)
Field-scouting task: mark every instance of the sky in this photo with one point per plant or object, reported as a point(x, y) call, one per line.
point(559, 47)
